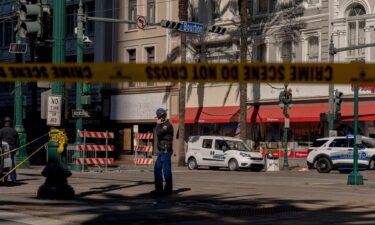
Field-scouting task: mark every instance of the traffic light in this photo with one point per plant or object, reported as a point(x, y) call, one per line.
point(285, 98)
point(216, 29)
point(170, 24)
point(29, 19)
point(338, 100)
point(85, 97)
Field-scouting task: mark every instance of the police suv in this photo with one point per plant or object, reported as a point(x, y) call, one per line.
point(337, 153)
point(220, 151)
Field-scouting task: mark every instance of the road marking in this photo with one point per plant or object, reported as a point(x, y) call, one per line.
point(32, 220)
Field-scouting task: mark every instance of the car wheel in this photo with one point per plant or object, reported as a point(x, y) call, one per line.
point(371, 165)
point(323, 165)
point(233, 165)
point(192, 164)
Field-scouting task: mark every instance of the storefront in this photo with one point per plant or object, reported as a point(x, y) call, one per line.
point(266, 122)
point(134, 113)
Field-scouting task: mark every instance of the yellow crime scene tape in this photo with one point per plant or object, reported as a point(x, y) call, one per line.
point(202, 73)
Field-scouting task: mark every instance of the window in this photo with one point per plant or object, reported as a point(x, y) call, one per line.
point(207, 143)
point(340, 143)
point(313, 2)
point(221, 145)
point(262, 6)
point(319, 143)
point(150, 54)
point(89, 7)
point(265, 6)
point(356, 26)
point(132, 59)
point(70, 20)
point(132, 16)
point(151, 11)
point(313, 49)
point(370, 143)
point(1, 34)
point(286, 51)
point(132, 53)
point(150, 57)
point(9, 26)
point(215, 7)
point(261, 53)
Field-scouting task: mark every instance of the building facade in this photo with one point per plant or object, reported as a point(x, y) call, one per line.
point(299, 31)
point(131, 107)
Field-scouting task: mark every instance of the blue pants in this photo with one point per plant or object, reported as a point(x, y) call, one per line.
point(163, 166)
point(13, 175)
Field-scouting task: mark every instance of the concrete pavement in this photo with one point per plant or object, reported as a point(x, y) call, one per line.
point(201, 197)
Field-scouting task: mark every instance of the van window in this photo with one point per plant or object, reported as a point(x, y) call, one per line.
point(221, 145)
point(207, 143)
point(369, 143)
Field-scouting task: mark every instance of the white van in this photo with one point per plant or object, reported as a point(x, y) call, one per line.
point(220, 151)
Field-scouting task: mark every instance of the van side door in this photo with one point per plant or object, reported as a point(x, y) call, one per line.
point(219, 152)
point(207, 152)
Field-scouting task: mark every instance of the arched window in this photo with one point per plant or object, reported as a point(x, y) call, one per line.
point(356, 26)
point(313, 49)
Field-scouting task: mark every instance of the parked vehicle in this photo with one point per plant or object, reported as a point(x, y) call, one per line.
point(5, 161)
point(337, 153)
point(220, 151)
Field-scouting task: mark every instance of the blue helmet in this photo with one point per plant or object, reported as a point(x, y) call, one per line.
point(160, 112)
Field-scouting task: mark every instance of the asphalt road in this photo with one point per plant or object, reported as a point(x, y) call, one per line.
point(201, 197)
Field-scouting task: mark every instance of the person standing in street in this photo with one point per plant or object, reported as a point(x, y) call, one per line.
point(163, 164)
point(10, 135)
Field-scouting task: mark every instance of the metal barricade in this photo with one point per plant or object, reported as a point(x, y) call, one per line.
point(143, 153)
point(91, 154)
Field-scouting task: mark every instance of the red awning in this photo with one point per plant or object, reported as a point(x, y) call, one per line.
point(308, 112)
point(225, 114)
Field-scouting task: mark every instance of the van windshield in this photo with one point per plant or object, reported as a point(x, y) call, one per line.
point(231, 145)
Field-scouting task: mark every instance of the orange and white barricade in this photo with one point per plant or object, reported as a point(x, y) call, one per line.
point(143, 153)
point(91, 154)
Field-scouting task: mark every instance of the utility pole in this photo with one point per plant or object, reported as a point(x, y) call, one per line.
point(29, 22)
point(80, 18)
point(243, 6)
point(183, 15)
point(285, 99)
point(331, 115)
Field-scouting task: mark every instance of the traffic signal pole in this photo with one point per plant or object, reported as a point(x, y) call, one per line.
point(355, 178)
point(80, 18)
point(56, 172)
point(21, 154)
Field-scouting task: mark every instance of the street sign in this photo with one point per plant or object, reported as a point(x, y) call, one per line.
point(54, 110)
point(191, 27)
point(18, 48)
point(80, 113)
point(141, 22)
